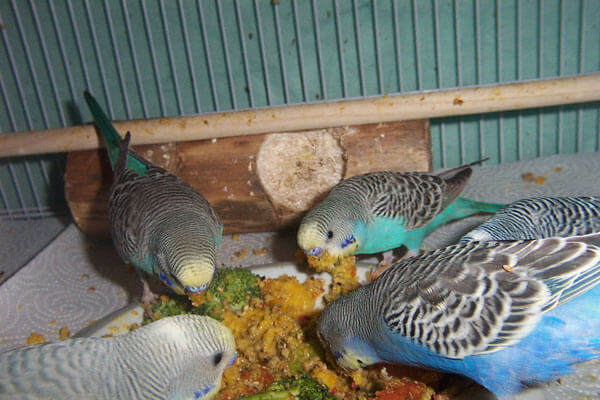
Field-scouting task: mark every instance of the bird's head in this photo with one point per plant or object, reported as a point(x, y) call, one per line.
point(195, 277)
point(337, 237)
point(186, 274)
point(340, 332)
point(204, 348)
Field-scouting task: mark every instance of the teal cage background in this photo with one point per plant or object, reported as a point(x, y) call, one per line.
point(166, 58)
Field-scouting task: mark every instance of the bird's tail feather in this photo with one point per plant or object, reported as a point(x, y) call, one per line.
point(112, 140)
point(111, 137)
point(476, 207)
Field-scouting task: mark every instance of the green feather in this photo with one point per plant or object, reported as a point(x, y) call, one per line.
point(112, 140)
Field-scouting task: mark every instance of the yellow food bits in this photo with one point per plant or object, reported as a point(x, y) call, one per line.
point(63, 333)
point(35, 338)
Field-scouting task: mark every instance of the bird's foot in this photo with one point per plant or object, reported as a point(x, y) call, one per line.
point(385, 263)
point(389, 258)
point(147, 296)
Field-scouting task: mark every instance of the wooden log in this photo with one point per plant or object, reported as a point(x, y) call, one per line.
point(261, 182)
point(401, 107)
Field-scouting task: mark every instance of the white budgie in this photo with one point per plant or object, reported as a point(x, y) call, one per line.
point(180, 357)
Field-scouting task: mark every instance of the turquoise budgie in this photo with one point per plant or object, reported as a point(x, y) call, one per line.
point(380, 211)
point(505, 314)
point(541, 217)
point(158, 222)
point(180, 357)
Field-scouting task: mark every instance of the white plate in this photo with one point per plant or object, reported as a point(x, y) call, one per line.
point(119, 322)
point(582, 384)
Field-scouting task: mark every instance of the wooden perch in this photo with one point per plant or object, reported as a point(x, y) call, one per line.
point(427, 104)
point(261, 182)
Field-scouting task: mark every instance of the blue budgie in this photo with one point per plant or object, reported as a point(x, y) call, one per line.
point(380, 211)
point(541, 217)
point(158, 222)
point(181, 357)
point(504, 314)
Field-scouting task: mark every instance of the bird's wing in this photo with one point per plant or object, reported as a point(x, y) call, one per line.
point(413, 198)
point(476, 298)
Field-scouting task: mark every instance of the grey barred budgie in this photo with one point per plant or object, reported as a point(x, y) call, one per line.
point(158, 222)
point(379, 211)
point(505, 314)
point(181, 357)
point(541, 217)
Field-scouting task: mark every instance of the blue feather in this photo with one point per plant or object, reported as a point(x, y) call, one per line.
point(567, 335)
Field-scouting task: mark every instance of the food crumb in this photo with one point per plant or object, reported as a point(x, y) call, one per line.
point(540, 180)
point(260, 252)
point(53, 322)
point(63, 333)
point(458, 101)
point(558, 169)
point(92, 289)
point(528, 177)
point(90, 323)
point(121, 293)
point(507, 268)
point(242, 253)
point(84, 276)
point(235, 236)
point(19, 306)
point(35, 338)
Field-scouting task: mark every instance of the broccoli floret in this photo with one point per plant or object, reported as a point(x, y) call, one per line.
point(166, 307)
point(231, 289)
point(304, 387)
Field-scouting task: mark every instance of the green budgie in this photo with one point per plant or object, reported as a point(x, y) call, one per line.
point(181, 357)
point(380, 211)
point(158, 222)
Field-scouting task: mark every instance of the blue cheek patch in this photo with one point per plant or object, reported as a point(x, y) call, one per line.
point(348, 241)
point(164, 278)
point(203, 392)
point(338, 355)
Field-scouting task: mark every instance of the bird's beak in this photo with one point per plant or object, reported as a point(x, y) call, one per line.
point(232, 360)
point(315, 251)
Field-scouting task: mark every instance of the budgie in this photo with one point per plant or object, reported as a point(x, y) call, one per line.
point(541, 217)
point(158, 222)
point(505, 314)
point(181, 357)
point(379, 211)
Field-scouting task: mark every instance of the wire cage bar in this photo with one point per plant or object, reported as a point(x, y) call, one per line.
point(152, 58)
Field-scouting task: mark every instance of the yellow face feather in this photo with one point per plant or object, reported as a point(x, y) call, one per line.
point(309, 236)
point(350, 360)
point(314, 241)
point(196, 276)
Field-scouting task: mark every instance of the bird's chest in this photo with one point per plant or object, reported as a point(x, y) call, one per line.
point(381, 234)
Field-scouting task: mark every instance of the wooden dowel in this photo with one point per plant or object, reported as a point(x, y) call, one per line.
point(422, 105)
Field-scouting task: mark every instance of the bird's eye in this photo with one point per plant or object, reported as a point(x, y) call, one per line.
point(329, 234)
point(359, 361)
point(217, 359)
